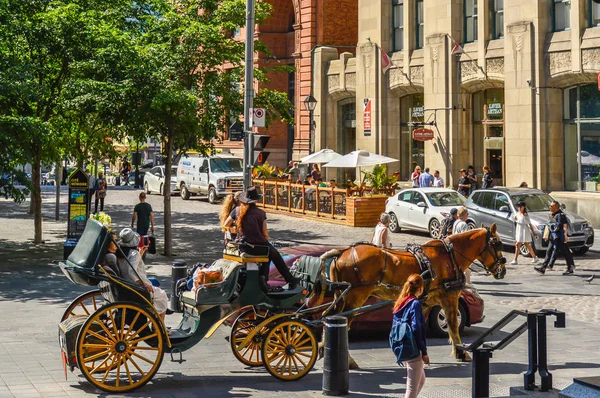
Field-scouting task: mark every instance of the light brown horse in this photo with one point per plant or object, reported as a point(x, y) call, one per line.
point(377, 272)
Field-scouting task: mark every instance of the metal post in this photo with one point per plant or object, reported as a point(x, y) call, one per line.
point(248, 92)
point(311, 144)
point(178, 271)
point(336, 372)
point(481, 373)
point(545, 375)
point(529, 376)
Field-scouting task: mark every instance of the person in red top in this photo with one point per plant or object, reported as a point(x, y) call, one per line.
point(415, 176)
point(408, 301)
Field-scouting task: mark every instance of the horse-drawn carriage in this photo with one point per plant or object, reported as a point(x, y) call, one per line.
point(114, 335)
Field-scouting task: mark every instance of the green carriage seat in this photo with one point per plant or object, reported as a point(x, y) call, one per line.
point(308, 270)
point(216, 293)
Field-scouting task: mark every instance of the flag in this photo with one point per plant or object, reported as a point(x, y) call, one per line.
point(386, 62)
point(456, 49)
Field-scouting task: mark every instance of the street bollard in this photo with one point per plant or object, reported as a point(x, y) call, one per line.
point(178, 271)
point(335, 367)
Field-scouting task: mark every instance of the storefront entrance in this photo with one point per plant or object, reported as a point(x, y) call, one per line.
point(346, 142)
point(412, 152)
point(488, 132)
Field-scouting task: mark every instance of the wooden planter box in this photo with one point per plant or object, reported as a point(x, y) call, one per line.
point(364, 211)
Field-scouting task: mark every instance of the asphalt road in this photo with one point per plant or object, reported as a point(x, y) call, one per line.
point(33, 295)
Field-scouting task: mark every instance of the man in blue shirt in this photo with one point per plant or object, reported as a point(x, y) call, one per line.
point(426, 179)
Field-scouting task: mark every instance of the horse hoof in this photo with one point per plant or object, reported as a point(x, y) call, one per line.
point(353, 365)
point(466, 358)
point(321, 352)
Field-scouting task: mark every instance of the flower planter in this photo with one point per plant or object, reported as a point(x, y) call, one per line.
point(364, 211)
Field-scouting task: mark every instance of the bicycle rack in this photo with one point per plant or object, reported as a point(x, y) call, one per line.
point(485, 345)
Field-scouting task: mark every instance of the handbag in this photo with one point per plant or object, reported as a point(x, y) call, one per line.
point(546, 234)
point(152, 244)
point(402, 341)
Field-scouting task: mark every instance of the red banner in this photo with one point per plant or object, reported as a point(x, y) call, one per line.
point(423, 134)
point(367, 117)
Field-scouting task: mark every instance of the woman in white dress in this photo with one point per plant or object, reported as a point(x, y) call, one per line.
point(381, 236)
point(523, 237)
point(128, 242)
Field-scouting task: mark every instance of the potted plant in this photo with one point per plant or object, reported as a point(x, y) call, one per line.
point(379, 179)
point(263, 171)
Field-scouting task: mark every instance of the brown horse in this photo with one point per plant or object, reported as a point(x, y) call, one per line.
point(373, 271)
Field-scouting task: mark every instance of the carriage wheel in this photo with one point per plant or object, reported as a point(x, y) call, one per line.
point(251, 355)
point(290, 350)
point(86, 304)
point(127, 340)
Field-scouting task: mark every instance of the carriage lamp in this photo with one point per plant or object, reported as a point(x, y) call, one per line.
point(310, 103)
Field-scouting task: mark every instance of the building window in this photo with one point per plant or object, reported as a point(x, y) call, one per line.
point(594, 13)
point(420, 39)
point(498, 19)
point(561, 13)
point(470, 20)
point(398, 24)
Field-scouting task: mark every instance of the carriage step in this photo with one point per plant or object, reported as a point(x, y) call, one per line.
point(177, 351)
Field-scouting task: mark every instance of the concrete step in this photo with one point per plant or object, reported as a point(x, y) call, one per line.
point(584, 387)
point(521, 392)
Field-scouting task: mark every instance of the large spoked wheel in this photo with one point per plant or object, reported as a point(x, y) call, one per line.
point(251, 355)
point(290, 350)
point(125, 342)
point(86, 304)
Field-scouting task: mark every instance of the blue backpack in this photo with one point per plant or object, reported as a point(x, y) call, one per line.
point(402, 340)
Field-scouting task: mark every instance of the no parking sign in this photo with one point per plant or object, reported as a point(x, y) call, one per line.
point(258, 117)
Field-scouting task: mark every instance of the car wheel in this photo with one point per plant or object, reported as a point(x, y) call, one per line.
point(146, 188)
point(394, 223)
point(434, 228)
point(580, 251)
point(212, 195)
point(471, 225)
point(185, 194)
point(160, 190)
point(438, 323)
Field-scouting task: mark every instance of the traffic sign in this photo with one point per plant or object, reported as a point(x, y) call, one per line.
point(258, 117)
point(236, 131)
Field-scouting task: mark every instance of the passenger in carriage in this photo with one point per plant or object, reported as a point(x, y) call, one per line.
point(128, 242)
point(252, 232)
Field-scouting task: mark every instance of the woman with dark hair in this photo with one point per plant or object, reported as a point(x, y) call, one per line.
point(472, 176)
point(408, 303)
point(522, 235)
point(487, 181)
point(253, 235)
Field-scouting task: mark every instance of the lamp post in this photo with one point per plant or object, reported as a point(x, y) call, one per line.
point(310, 103)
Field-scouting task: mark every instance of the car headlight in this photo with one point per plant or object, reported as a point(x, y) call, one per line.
point(220, 183)
point(586, 224)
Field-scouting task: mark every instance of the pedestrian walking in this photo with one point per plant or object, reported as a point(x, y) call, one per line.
point(438, 181)
point(558, 239)
point(426, 179)
point(408, 309)
point(487, 181)
point(100, 188)
point(523, 237)
point(144, 215)
point(125, 170)
point(381, 235)
point(460, 225)
point(415, 176)
point(464, 184)
point(472, 176)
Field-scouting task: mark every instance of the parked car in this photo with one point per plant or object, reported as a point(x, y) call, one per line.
point(471, 305)
point(215, 176)
point(498, 205)
point(422, 209)
point(154, 180)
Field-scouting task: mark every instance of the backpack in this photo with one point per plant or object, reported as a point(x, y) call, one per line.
point(446, 222)
point(101, 188)
point(402, 340)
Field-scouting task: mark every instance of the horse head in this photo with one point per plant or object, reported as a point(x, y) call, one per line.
point(491, 255)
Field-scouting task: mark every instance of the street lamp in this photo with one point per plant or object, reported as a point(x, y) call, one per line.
point(310, 103)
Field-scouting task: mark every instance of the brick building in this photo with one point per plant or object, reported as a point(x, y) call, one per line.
point(295, 29)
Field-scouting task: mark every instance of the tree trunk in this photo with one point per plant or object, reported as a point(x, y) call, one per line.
point(36, 193)
point(57, 180)
point(167, 196)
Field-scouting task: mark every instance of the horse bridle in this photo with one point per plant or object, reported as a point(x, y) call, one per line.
point(493, 246)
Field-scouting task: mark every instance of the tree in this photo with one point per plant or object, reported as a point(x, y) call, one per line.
point(186, 95)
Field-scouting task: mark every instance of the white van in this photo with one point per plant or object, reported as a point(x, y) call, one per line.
point(215, 176)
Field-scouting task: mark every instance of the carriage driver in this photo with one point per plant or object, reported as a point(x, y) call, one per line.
point(252, 232)
point(128, 242)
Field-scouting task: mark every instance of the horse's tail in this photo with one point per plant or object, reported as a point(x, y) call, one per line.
point(323, 277)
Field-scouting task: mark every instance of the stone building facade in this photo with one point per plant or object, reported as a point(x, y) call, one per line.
point(294, 31)
point(512, 84)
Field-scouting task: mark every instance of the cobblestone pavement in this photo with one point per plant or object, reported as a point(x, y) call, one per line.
point(33, 295)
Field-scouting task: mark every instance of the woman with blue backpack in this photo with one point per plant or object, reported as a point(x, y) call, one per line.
point(407, 337)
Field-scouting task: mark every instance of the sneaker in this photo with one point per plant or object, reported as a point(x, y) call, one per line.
point(514, 262)
point(535, 261)
point(568, 271)
point(541, 269)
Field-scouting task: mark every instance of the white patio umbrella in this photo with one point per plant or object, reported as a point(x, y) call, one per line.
point(360, 159)
point(323, 156)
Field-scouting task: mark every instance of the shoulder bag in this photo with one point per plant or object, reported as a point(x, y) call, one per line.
point(402, 340)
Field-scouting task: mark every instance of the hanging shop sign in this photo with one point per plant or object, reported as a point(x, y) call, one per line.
point(423, 134)
point(367, 117)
